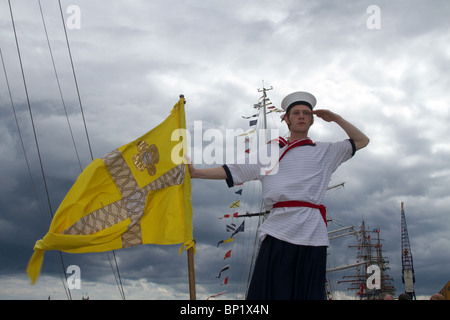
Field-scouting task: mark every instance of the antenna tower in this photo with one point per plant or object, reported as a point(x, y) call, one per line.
point(408, 277)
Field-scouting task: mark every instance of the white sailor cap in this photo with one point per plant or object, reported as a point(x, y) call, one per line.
point(299, 97)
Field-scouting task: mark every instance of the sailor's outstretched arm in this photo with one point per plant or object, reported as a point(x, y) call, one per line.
point(210, 173)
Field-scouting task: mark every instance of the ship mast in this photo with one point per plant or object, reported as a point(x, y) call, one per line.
point(264, 90)
point(369, 254)
point(258, 105)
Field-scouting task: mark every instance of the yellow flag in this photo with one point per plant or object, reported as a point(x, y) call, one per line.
point(235, 204)
point(137, 194)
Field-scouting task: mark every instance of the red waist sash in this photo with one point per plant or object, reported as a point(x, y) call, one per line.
point(321, 207)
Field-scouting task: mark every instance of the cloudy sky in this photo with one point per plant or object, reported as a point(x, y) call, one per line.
point(387, 74)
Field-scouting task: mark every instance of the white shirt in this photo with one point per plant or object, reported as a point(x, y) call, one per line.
point(303, 174)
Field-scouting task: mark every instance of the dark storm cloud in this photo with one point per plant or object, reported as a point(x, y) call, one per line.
point(133, 61)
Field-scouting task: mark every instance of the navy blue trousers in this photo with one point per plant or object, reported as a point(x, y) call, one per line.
point(285, 271)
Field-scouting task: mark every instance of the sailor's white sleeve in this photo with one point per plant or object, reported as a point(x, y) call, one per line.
point(341, 151)
point(246, 169)
point(240, 173)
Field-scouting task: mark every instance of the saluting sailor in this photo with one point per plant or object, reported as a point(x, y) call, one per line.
point(291, 263)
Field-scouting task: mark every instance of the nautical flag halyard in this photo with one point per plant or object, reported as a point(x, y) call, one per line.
point(138, 194)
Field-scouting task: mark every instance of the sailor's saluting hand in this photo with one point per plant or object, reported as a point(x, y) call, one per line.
point(358, 137)
point(326, 115)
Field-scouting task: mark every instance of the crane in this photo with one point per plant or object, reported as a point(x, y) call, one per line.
point(408, 277)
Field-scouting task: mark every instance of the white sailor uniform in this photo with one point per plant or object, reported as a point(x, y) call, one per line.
point(303, 174)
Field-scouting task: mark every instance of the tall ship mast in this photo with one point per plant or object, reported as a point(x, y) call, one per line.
point(247, 212)
point(371, 280)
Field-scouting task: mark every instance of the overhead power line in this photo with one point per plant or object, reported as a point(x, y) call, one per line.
point(35, 138)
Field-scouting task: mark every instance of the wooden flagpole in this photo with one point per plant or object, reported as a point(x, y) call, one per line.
point(190, 251)
point(191, 271)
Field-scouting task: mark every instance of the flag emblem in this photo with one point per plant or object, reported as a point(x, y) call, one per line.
point(146, 158)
